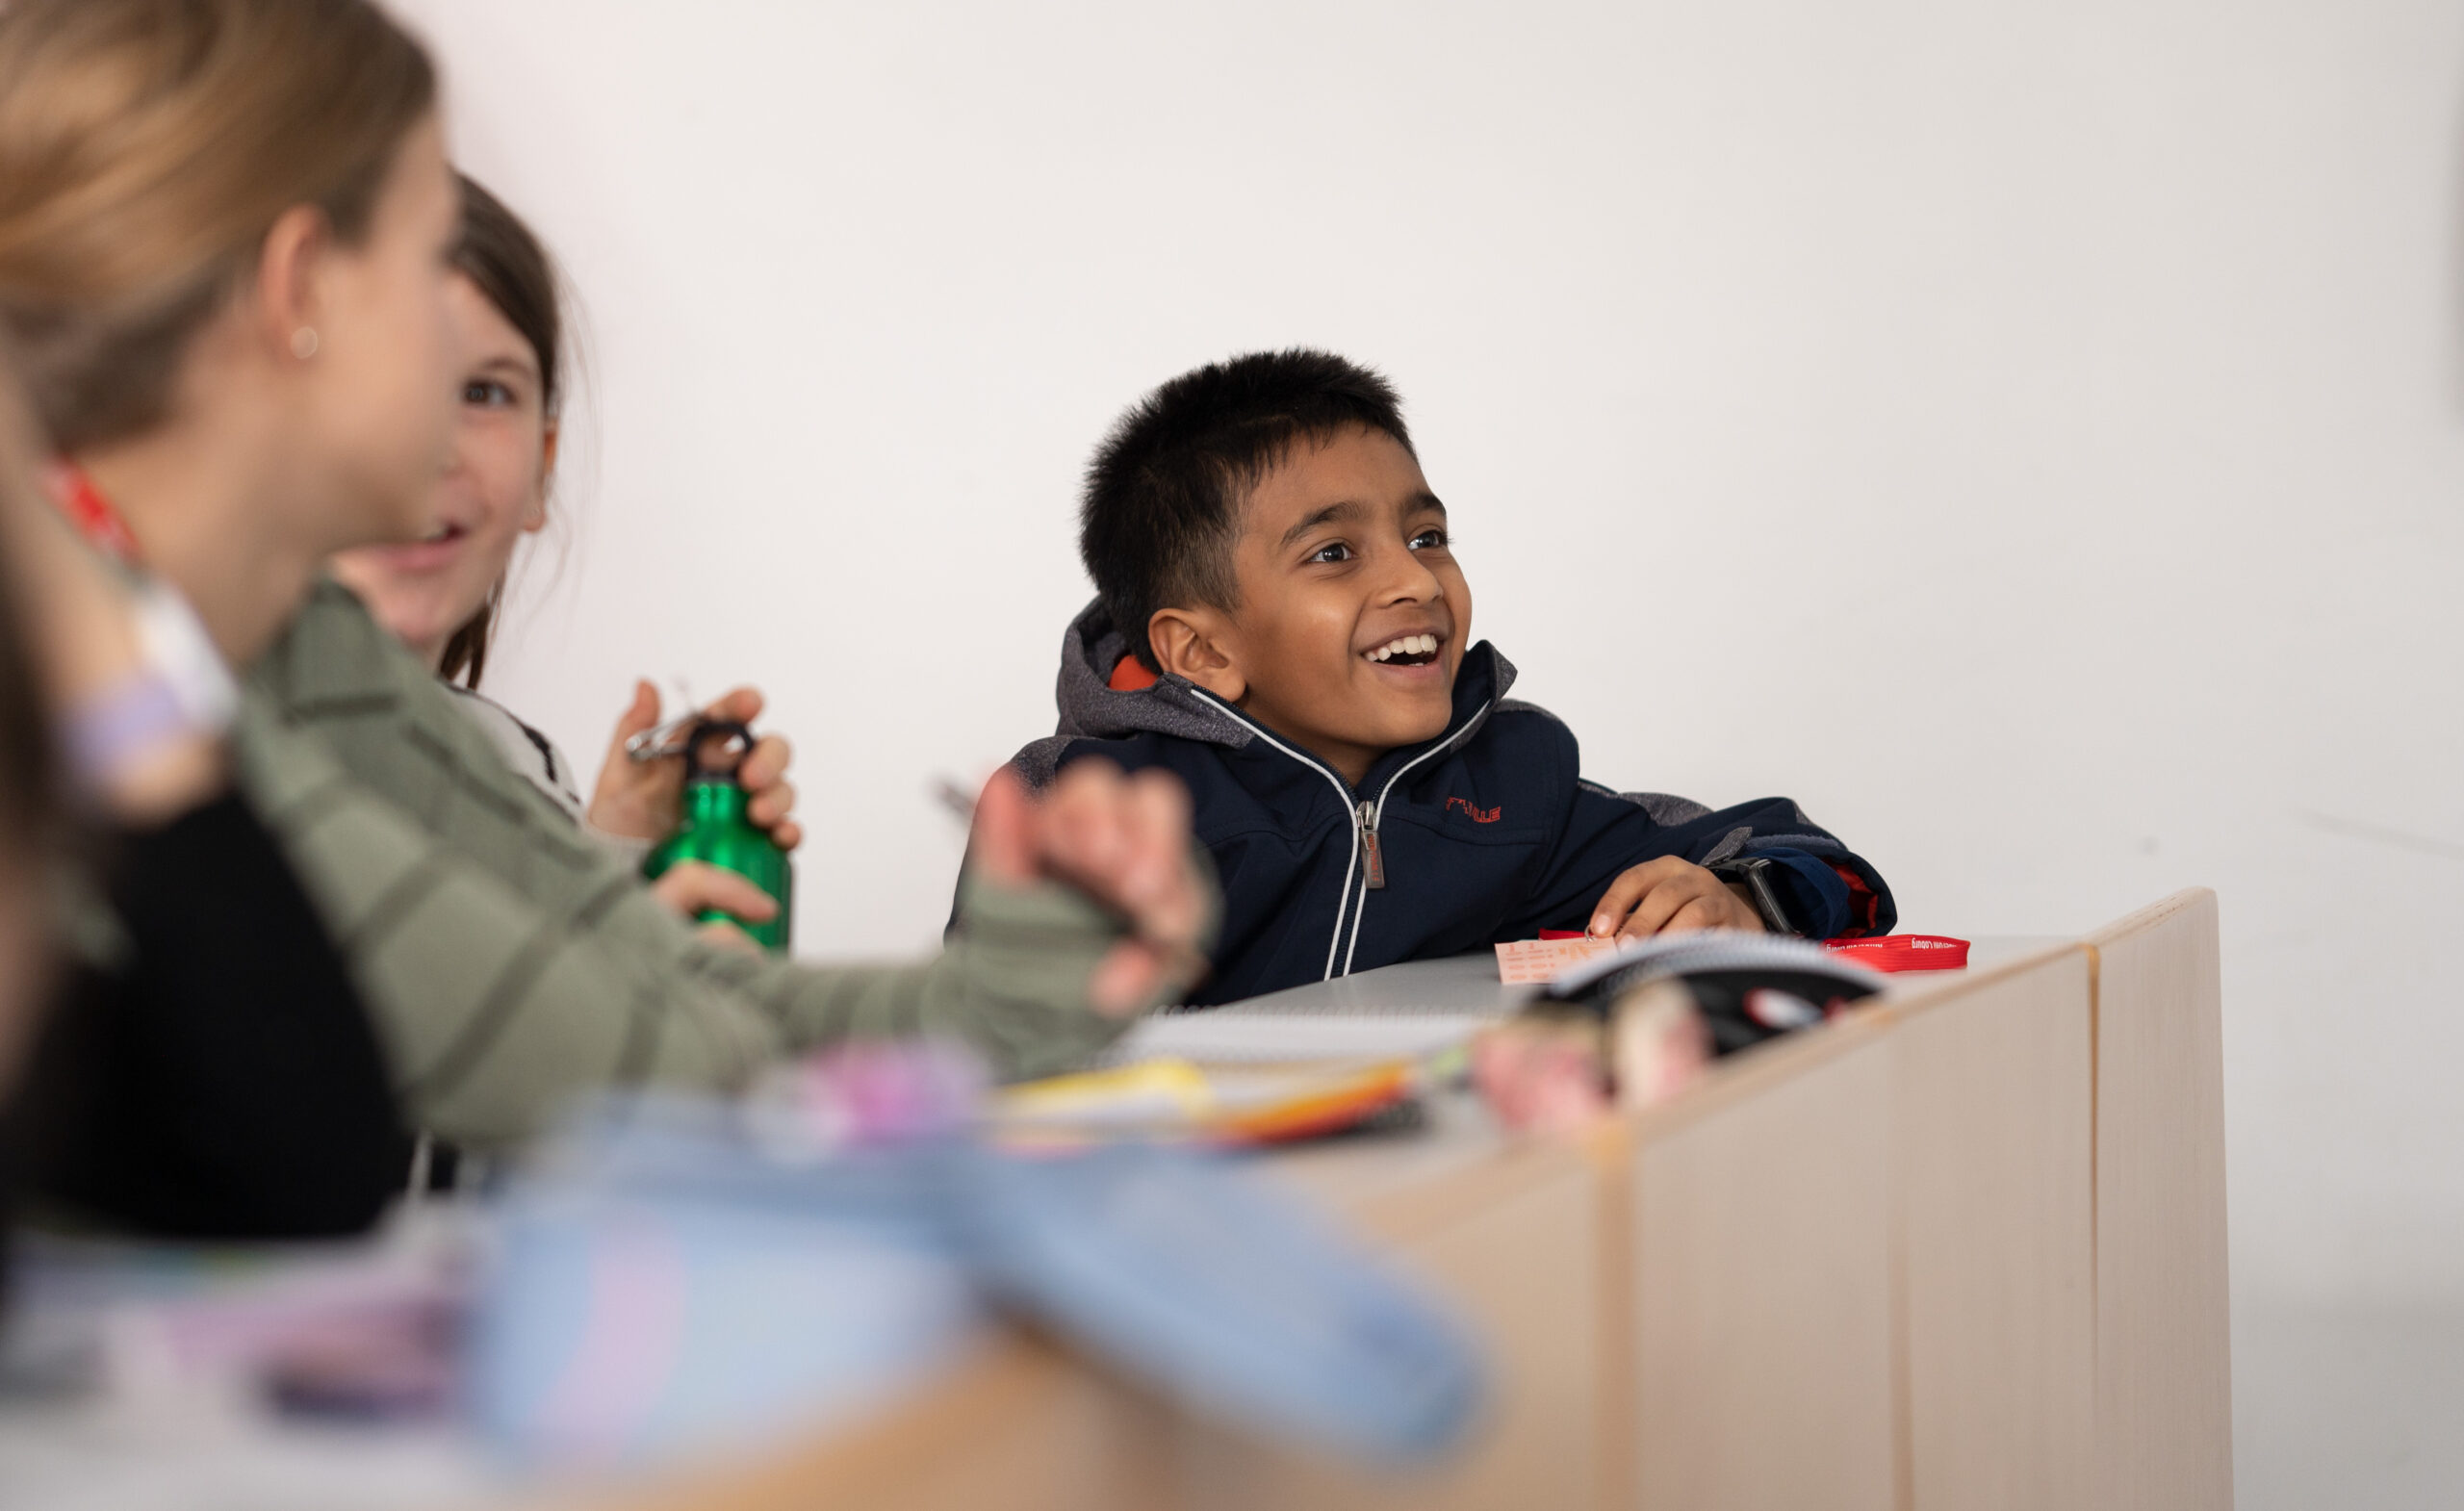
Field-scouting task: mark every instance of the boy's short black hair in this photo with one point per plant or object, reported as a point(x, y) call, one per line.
point(1163, 493)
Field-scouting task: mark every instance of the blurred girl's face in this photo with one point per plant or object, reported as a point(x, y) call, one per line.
point(493, 490)
point(370, 398)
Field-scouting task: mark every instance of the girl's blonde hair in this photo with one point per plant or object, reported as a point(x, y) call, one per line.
point(146, 147)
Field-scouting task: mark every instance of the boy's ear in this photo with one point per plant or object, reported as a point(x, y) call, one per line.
point(1190, 643)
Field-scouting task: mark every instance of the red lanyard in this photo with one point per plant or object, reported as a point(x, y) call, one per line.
point(90, 512)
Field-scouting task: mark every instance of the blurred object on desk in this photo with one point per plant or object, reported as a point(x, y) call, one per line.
point(1723, 966)
point(675, 1280)
point(1558, 1068)
point(1904, 952)
point(1240, 1035)
point(355, 1328)
point(295, 1377)
point(1174, 1100)
point(1639, 1025)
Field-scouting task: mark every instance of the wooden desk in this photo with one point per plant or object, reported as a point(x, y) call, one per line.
point(1508, 1231)
point(1962, 1249)
point(2164, 1381)
point(1863, 1258)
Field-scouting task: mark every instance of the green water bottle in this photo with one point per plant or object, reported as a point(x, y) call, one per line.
point(716, 829)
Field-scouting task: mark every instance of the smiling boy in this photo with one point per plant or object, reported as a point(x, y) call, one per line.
point(1282, 622)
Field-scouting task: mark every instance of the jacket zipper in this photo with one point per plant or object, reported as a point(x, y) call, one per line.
point(1368, 860)
point(1372, 814)
point(1372, 865)
point(1343, 905)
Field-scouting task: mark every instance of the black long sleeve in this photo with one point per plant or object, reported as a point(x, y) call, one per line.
point(225, 1082)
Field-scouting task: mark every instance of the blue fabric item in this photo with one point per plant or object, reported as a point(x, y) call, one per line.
point(667, 1291)
point(677, 1284)
point(616, 1330)
point(1235, 1301)
point(1487, 833)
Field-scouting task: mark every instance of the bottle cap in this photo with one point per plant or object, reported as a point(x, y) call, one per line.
point(714, 748)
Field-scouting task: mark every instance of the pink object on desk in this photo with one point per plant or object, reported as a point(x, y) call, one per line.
point(1904, 952)
point(1532, 963)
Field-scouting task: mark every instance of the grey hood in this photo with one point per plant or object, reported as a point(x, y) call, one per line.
point(1092, 708)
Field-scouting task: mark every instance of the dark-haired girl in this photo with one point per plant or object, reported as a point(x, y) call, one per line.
point(443, 594)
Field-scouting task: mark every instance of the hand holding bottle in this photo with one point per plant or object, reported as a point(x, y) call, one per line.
point(716, 829)
point(697, 889)
point(639, 799)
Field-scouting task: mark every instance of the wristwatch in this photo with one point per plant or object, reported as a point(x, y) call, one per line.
point(178, 690)
point(1753, 872)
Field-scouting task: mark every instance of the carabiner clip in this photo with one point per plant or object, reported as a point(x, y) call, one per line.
point(672, 739)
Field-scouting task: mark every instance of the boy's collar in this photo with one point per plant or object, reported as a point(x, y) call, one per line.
point(1480, 686)
point(1104, 693)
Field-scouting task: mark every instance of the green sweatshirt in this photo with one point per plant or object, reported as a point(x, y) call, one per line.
point(510, 962)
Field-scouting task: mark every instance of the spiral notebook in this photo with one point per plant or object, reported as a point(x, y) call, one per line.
point(1397, 1011)
point(1232, 1037)
point(1420, 1007)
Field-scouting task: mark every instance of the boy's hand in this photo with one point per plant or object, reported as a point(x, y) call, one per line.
point(1670, 896)
point(639, 799)
point(1124, 841)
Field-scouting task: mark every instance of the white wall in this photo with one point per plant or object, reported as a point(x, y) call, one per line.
point(2029, 435)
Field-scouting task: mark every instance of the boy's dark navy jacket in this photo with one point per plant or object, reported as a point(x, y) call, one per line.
point(1486, 833)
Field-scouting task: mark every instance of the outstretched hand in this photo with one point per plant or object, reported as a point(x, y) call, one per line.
point(639, 799)
point(1124, 841)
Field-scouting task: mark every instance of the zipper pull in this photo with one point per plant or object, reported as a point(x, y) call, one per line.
point(1371, 860)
